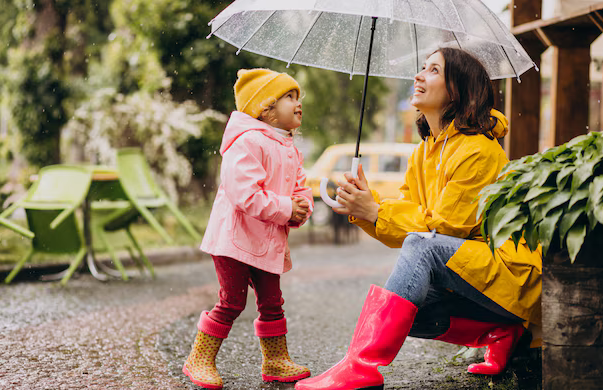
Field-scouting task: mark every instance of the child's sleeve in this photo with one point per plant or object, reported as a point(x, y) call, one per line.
point(243, 179)
point(301, 190)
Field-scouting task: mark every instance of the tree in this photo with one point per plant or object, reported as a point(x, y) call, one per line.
point(205, 70)
point(62, 52)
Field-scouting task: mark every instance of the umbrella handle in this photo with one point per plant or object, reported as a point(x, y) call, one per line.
point(325, 180)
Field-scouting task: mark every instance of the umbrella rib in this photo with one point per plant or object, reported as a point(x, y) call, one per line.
point(356, 47)
point(255, 32)
point(449, 28)
point(456, 39)
point(500, 46)
point(414, 27)
point(304, 38)
point(414, 30)
point(219, 27)
point(458, 16)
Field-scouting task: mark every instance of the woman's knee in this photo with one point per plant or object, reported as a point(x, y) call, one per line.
point(412, 242)
point(415, 251)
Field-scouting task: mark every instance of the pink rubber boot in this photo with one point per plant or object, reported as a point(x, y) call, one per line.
point(500, 340)
point(384, 323)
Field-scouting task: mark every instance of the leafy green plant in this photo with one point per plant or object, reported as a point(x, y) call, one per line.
point(554, 198)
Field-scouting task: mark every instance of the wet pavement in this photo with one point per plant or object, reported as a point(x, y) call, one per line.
point(136, 334)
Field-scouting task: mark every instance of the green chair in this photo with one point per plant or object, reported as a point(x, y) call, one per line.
point(140, 188)
point(50, 206)
point(16, 228)
point(113, 216)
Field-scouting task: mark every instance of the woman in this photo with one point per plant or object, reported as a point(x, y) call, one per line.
point(446, 284)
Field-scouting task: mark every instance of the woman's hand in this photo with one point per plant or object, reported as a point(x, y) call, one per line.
point(356, 197)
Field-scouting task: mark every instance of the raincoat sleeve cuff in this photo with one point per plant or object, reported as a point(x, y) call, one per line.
point(285, 206)
point(369, 227)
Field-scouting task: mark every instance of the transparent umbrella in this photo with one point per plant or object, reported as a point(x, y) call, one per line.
point(388, 38)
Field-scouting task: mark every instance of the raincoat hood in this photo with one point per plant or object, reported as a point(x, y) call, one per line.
point(240, 123)
point(502, 124)
point(500, 128)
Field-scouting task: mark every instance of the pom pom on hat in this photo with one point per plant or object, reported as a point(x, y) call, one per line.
point(258, 88)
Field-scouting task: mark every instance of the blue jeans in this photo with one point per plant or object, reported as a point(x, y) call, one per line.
point(421, 277)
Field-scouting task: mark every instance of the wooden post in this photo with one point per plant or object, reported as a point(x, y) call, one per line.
point(570, 90)
point(522, 102)
point(524, 11)
point(523, 107)
point(499, 95)
point(570, 86)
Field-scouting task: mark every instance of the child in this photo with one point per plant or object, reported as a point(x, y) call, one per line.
point(261, 195)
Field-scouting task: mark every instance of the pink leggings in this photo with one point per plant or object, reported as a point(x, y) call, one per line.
point(234, 278)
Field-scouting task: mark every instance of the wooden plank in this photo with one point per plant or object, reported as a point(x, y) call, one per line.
point(568, 36)
point(572, 308)
point(579, 18)
point(570, 90)
point(572, 302)
point(572, 368)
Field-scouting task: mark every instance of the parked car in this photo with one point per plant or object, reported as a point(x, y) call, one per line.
point(384, 166)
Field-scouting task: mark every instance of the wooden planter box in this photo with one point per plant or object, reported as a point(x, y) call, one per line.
point(572, 321)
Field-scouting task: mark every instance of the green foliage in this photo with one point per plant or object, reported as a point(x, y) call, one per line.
point(34, 93)
point(205, 69)
point(154, 122)
point(332, 105)
point(7, 22)
point(59, 56)
point(554, 198)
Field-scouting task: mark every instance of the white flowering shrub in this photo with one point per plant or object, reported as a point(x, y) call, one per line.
point(154, 122)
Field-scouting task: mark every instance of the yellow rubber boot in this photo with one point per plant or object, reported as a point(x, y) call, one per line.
point(200, 366)
point(276, 363)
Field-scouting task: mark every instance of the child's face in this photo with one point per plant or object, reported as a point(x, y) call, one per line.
point(287, 112)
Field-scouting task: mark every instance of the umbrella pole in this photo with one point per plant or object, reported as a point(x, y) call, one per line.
point(366, 76)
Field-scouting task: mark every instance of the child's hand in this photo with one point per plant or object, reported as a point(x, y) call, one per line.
point(300, 209)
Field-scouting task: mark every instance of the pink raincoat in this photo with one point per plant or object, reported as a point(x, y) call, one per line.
point(261, 170)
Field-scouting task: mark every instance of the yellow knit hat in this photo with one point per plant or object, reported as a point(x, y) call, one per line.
point(258, 88)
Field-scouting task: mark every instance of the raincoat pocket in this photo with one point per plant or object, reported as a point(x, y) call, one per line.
point(251, 235)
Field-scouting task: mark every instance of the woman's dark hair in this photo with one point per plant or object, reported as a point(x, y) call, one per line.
point(471, 95)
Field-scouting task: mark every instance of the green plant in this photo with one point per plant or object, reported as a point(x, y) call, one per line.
point(554, 198)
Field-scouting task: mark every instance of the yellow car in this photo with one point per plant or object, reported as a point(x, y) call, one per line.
point(384, 165)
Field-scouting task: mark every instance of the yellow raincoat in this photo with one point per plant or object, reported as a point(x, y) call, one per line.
point(442, 183)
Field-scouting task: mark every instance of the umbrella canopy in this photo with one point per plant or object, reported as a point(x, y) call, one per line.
point(336, 35)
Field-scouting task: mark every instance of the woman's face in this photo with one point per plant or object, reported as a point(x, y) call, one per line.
point(430, 86)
